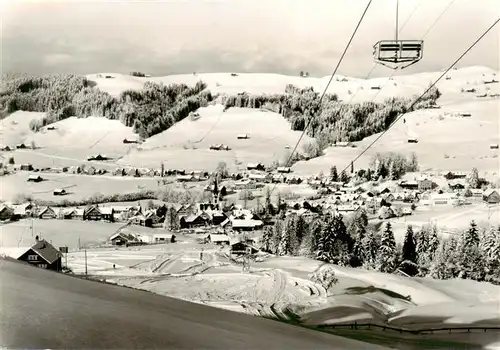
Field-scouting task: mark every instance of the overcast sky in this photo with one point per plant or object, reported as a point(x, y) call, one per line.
point(280, 36)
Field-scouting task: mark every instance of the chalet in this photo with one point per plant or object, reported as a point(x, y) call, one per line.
point(443, 199)
point(123, 238)
point(59, 192)
point(67, 213)
point(139, 220)
point(23, 210)
point(494, 146)
point(47, 213)
point(476, 193)
point(455, 175)
point(258, 177)
point(277, 179)
point(185, 178)
point(130, 140)
point(412, 140)
point(163, 238)
point(107, 214)
point(294, 180)
point(151, 219)
point(6, 213)
point(456, 186)
point(43, 255)
point(97, 157)
point(21, 146)
point(192, 221)
point(491, 196)
point(92, 213)
point(256, 166)
point(242, 248)
point(218, 239)
point(425, 184)
point(284, 170)
point(246, 224)
point(26, 167)
point(5, 148)
point(242, 137)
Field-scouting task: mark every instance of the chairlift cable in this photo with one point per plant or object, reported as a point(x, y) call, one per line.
point(326, 88)
point(423, 94)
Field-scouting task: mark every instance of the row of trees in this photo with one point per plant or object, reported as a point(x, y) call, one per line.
point(150, 110)
point(356, 243)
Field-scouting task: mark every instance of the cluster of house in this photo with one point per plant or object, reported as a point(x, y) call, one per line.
point(190, 216)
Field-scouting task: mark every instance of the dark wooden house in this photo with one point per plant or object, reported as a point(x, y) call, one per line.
point(43, 255)
point(93, 214)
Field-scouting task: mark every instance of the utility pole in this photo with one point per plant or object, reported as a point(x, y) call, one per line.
point(86, 263)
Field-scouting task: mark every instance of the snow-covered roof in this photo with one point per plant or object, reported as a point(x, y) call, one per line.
point(237, 223)
point(219, 238)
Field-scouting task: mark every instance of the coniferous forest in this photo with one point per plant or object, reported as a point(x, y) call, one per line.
point(353, 241)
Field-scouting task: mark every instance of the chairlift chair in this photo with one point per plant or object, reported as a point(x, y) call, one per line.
point(397, 53)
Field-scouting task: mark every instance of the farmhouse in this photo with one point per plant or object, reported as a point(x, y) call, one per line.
point(21, 146)
point(284, 170)
point(163, 238)
point(425, 184)
point(107, 214)
point(491, 196)
point(122, 238)
point(92, 213)
point(246, 224)
point(185, 178)
point(443, 199)
point(47, 213)
point(97, 157)
point(59, 192)
point(241, 248)
point(130, 140)
point(43, 255)
point(192, 221)
point(6, 213)
point(218, 239)
point(23, 210)
point(256, 166)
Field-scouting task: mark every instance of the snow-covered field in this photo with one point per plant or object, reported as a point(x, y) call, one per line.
point(78, 187)
point(186, 144)
point(446, 142)
point(274, 284)
point(449, 219)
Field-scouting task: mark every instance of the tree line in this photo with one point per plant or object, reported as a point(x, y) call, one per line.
point(150, 110)
point(333, 120)
point(354, 242)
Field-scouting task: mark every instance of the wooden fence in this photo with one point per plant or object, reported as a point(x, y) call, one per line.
point(356, 326)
